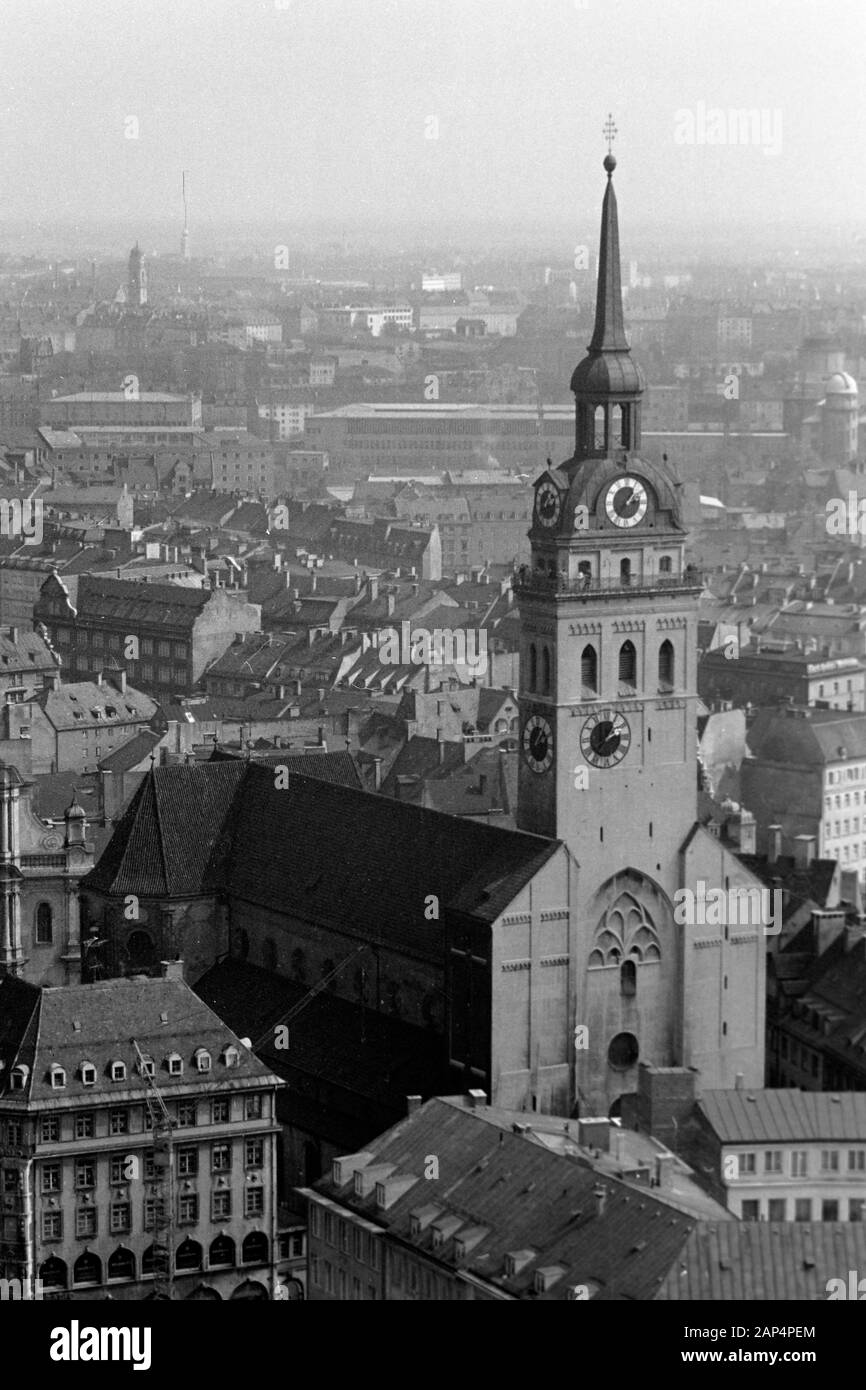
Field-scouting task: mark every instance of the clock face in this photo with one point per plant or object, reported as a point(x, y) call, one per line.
point(626, 502)
point(605, 738)
point(547, 504)
point(538, 743)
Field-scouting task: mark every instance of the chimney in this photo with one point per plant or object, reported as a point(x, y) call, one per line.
point(373, 588)
point(377, 774)
point(413, 1104)
point(13, 634)
point(477, 1099)
point(774, 843)
point(172, 969)
point(391, 601)
point(664, 1169)
point(440, 739)
point(321, 735)
point(600, 1195)
point(748, 833)
point(738, 1081)
point(804, 850)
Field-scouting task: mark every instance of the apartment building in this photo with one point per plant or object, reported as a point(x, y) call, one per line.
point(163, 635)
point(90, 1196)
point(786, 1155)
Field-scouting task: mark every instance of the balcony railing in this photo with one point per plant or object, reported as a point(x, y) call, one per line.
point(528, 581)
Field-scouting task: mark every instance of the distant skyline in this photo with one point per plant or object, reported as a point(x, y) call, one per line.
point(431, 112)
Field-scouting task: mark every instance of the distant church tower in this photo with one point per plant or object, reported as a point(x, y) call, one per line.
point(136, 295)
point(608, 691)
point(840, 417)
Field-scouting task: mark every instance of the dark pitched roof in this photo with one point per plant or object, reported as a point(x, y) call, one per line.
point(516, 1196)
point(96, 1023)
point(315, 849)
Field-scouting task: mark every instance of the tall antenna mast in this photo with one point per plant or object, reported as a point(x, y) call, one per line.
point(184, 239)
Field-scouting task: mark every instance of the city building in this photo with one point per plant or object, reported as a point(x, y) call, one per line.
point(785, 1155)
point(805, 780)
point(41, 864)
point(90, 1188)
point(72, 726)
point(772, 670)
point(163, 635)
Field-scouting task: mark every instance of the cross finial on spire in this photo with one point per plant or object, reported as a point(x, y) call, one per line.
point(609, 132)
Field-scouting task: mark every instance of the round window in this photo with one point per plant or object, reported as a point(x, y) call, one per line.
point(623, 1051)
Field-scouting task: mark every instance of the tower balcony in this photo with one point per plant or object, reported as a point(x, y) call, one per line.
point(540, 584)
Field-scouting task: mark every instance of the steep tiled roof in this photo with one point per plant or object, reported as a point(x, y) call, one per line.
point(86, 704)
point(773, 1117)
point(126, 599)
point(131, 753)
point(517, 1197)
point(315, 849)
point(165, 843)
point(96, 1023)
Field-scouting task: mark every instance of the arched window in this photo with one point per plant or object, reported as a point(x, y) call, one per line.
point(616, 419)
point(533, 666)
point(121, 1265)
point(251, 1289)
point(628, 664)
point(139, 950)
point(44, 925)
point(600, 441)
point(222, 1252)
point(666, 665)
point(254, 1250)
point(625, 572)
point(584, 571)
point(188, 1255)
point(589, 670)
point(87, 1269)
point(545, 671)
point(665, 565)
point(628, 979)
point(269, 953)
point(53, 1273)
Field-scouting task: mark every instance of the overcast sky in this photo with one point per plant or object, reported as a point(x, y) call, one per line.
point(308, 109)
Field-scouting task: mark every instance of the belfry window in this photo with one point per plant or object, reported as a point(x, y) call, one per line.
point(533, 666)
point(628, 665)
point(666, 666)
point(600, 428)
point(625, 572)
point(545, 671)
point(589, 670)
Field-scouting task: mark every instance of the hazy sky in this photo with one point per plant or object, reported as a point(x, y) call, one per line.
point(307, 109)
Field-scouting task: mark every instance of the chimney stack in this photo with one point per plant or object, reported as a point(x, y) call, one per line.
point(413, 1103)
point(600, 1194)
point(774, 843)
point(477, 1099)
point(377, 774)
point(804, 850)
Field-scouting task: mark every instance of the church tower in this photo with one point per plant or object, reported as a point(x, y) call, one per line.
point(136, 294)
point(608, 692)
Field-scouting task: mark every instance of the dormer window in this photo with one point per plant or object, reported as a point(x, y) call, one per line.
point(88, 1074)
point(202, 1059)
point(230, 1056)
point(18, 1077)
point(57, 1077)
point(118, 1071)
point(175, 1065)
point(146, 1066)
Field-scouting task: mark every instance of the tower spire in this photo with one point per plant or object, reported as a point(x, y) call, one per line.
point(607, 377)
point(609, 332)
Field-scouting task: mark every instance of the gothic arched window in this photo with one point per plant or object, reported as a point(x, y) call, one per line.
point(533, 666)
point(589, 670)
point(666, 665)
point(545, 670)
point(628, 979)
point(628, 664)
point(44, 925)
point(600, 430)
